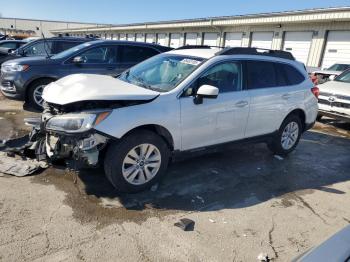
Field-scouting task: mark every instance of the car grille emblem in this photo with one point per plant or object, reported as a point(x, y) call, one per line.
point(331, 99)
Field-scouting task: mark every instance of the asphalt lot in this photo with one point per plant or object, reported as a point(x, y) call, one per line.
point(244, 202)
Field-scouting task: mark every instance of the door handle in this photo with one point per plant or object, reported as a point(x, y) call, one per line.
point(241, 104)
point(286, 96)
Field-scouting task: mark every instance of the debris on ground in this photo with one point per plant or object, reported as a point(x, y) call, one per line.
point(185, 224)
point(19, 166)
point(154, 188)
point(263, 257)
point(211, 220)
point(278, 157)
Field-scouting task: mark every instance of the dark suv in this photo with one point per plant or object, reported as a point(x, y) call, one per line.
point(25, 78)
point(44, 47)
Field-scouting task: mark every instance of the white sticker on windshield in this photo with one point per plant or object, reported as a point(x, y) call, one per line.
point(190, 61)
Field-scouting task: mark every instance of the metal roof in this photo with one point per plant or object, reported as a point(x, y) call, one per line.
point(274, 17)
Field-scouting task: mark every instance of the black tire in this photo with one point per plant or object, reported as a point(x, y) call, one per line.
point(117, 152)
point(276, 144)
point(30, 93)
point(319, 117)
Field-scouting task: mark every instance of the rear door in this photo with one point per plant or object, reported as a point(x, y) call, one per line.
point(274, 89)
point(96, 60)
point(129, 55)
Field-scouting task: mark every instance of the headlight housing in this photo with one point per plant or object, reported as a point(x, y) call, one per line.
point(13, 67)
point(76, 123)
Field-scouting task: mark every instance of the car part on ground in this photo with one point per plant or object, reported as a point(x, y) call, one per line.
point(334, 99)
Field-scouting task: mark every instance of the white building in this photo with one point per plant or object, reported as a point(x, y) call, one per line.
point(32, 27)
point(317, 37)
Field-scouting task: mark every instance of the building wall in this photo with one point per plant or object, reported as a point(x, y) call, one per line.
point(37, 27)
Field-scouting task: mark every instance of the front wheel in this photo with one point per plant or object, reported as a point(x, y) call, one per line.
point(35, 93)
point(137, 161)
point(287, 137)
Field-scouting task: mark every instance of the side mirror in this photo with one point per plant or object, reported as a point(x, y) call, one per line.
point(206, 91)
point(331, 78)
point(10, 50)
point(78, 60)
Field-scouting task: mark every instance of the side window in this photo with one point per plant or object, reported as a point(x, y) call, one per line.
point(294, 77)
point(261, 74)
point(12, 45)
point(226, 76)
point(63, 45)
point(135, 54)
point(99, 55)
point(39, 49)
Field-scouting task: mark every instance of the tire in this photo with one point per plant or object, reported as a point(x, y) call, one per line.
point(283, 149)
point(125, 168)
point(34, 88)
point(319, 117)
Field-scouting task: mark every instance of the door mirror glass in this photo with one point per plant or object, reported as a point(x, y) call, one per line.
point(206, 91)
point(78, 60)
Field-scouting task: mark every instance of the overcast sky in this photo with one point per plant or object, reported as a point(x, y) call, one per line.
point(116, 12)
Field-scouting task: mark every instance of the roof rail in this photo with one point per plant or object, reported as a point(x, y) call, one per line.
point(196, 47)
point(255, 51)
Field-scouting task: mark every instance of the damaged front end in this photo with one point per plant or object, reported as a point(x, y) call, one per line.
point(69, 137)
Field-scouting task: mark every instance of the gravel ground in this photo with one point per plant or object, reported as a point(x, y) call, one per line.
point(243, 201)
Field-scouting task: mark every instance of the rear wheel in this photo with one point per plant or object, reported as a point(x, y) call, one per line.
point(35, 92)
point(137, 161)
point(288, 136)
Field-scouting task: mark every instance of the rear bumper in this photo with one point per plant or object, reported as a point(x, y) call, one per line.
point(335, 115)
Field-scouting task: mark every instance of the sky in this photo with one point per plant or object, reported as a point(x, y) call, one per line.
point(135, 11)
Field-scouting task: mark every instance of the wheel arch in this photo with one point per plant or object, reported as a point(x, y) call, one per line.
point(35, 80)
point(301, 114)
point(159, 130)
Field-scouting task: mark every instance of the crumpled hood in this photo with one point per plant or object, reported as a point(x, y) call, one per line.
point(89, 87)
point(327, 72)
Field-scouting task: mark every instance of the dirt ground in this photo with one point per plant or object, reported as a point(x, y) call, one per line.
point(243, 201)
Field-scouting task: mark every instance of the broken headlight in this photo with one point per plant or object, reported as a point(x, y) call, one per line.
point(76, 123)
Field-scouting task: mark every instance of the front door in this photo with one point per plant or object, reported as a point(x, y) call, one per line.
point(218, 120)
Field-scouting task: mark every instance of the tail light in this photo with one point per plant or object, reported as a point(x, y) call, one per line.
point(316, 91)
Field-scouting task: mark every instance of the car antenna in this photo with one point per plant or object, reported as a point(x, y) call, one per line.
point(45, 45)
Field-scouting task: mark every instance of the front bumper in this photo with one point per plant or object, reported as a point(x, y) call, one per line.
point(12, 85)
point(335, 115)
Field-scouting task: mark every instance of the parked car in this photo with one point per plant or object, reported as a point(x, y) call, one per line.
point(331, 72)
point(336, 249)
point(44, 47)
point(334, 99)
point(179, 102)
point(12, 44)
point(26, 78)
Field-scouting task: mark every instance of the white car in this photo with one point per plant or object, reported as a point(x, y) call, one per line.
point(182, 101)
point(334, 98)
point(331, 72)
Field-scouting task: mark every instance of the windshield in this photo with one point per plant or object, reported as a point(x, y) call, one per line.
point(162, 72)
point(339, 67)
point(70, 51)
point(344, 77)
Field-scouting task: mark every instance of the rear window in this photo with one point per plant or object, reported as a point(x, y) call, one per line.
point(264, 74)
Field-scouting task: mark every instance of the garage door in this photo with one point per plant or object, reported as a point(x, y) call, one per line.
point(211, 39)
point(161, 39)
point(337, 48)
point(175, 40)
point(262, 40)
point(140, 38)
point(131, 37)
point(122, 37)
point(233, 39)
point(298, 43)
point(150, 38)
point(191, 39)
